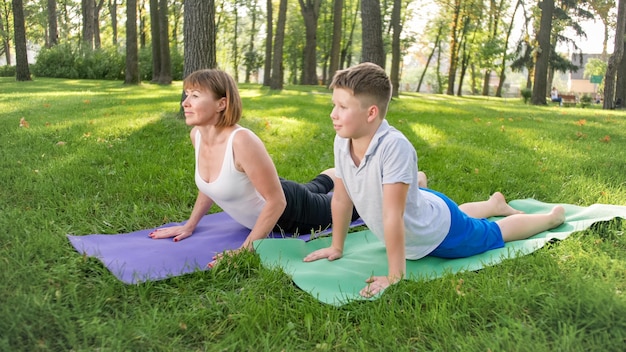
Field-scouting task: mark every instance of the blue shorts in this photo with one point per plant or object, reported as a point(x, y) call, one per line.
point(467, 236)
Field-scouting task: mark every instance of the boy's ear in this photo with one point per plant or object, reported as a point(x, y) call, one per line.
point(372, 113)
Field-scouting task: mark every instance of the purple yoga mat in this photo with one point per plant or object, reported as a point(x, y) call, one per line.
point(135, 257)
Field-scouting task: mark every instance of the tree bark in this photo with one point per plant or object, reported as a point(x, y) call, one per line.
point(156, 40)
point(267, 69)
point(615, 59)
point(21, 53)
point(113, 14)
point(276, 82)
point(543, 54)
point(396, 23)
point(166, 63)
point(372, 33)
point(88, 12)
point(335, 49)
point(132, 52)
point(454, 46)
point(310, 10)
point(199, 33)
point(53, 32)
point(4, 32)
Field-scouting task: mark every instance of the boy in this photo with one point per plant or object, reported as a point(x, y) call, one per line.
point(376, 169)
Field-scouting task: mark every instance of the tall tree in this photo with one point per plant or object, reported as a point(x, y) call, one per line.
point(113, 15)
point(97, 42)
point(620, 86)
point(310, 10)
point(155, 33)
point(199, 33)
point(165, 76)
point(19, 35)
point(132, 51)
point(5, 30)
point(53, 33)
point(335, 49)
point(542, 54)
point(455, 25)
point(88, 12)
point(436, 46)
point(252, 62)
point(276, 82)
point(346, 51)
point(396, 21)
point(372, 33)
point(616, 58)
point(502, 67)
point(267, 71)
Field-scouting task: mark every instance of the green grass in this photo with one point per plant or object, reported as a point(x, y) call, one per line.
point(101, 157)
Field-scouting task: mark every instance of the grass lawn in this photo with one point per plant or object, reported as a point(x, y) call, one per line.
point(101, 157)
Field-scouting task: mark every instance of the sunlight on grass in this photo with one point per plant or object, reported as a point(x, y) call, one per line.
point(102, 157)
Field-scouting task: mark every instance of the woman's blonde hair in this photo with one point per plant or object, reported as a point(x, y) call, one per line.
point(222, 85)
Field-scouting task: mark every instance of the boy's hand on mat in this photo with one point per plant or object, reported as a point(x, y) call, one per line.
point(178, 232)
point(329, 253)
point(375, 285)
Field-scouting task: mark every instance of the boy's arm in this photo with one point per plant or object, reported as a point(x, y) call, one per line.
point(341, 207)
point(394, 204)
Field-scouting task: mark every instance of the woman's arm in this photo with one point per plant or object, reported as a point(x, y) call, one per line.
point(252, 158)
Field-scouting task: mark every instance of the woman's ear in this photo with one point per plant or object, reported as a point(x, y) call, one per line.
point(222, 104)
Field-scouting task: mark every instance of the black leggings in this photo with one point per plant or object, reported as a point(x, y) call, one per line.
point(308, 206)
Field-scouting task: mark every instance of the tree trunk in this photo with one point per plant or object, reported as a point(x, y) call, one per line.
point(156, 41)
point(620, 87)
point(396, 23)
point(346, 51)
point(506, 43)
point(430, 56)
point(21, 54)
point(372, 33)
point(88, 12)
point(335, 49)
point(113, 14)
point(132, 53)
point(615, 59)
point(276, 82)
point(199, 33)
point(53, 32)
point(4, 32)
point(310, 10)
point(166, 63)
point(251, 54)
point(454, 45)
point(97, 43)
point(543, 54)
point(267, 68)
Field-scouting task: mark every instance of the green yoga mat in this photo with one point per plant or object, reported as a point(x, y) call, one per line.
point(338, 282)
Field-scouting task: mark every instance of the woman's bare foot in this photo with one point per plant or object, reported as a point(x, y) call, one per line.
point(501, 207)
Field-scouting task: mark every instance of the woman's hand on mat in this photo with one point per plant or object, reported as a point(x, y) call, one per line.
point(225, 254)
point(375, 285)
point(329, 253)
point(178, 232)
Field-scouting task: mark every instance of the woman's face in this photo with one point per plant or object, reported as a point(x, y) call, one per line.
point(202, 107)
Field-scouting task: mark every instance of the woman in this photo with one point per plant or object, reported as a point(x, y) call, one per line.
point(234, 170)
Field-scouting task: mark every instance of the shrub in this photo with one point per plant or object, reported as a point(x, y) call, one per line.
point(526, 94)
point(65, 61)
point(7, 71)
point(586, 100)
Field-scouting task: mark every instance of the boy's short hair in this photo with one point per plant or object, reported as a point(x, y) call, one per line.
point(366, 80)
point(221, 85)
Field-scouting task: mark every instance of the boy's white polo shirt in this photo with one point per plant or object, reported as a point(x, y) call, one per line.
point(390, 158)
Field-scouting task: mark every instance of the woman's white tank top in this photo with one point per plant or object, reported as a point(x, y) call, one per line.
point(232, 190)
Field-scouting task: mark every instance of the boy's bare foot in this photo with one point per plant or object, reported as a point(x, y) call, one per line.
point(501, 207)
point(558, 216)
point(422, 180)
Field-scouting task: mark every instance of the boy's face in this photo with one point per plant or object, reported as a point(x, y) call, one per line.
point(350, 118)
